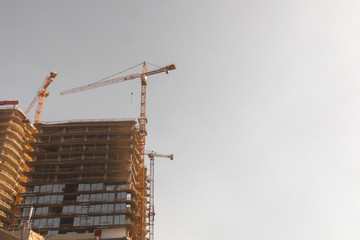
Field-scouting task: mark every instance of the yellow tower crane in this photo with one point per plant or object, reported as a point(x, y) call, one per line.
point(41, 95)
point(142, 199)
point(151, 214)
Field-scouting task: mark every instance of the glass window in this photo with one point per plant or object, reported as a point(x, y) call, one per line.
point(92, 197)
point(99, 197)
point(76, 222)
point(84, 209)
point(91, 208)
point(81, 187)
point(121, 195)
point(48, 188)
point(78, 209)
point(43, 188)
point(97, 220)
point(56, 188)
point(42, 223)
point(105, 196)
point(83, 221)
point(109, 220)
point(71, 209)
point(61, 187)
point(60, 198)
point(53, 198)
point(110, 208)
point(117, 207)
point(50, 222)
point(42, 211)
point(94, 187)
point(65, 209)
point(104, 208)
point(25, 212)
point(23, 223)
point(36, 223)
point(98, 208)
point(111, 197)
point(83, 198)
point(47, 199)
point(90, 221)
point(122, 219)
point(117, 220)
point(86, 187)
point(103, 220)
point(56, 222)
point(36, 188)
point(52, 232)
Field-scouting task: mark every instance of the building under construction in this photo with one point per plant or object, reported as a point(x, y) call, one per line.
point(83, 178)
point(15, 138)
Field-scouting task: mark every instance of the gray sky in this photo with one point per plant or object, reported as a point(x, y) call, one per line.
point(262, 113)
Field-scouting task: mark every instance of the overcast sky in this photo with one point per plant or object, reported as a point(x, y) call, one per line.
point(262, 113)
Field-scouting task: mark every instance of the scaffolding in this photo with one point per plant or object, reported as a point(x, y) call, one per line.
point(83, 177)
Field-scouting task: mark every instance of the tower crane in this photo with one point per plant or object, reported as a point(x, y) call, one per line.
point(142, 200)
point(151, 215)
point(41, 95)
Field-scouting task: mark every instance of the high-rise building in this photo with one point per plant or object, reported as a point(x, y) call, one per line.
point(15, 138)
point(83, 178)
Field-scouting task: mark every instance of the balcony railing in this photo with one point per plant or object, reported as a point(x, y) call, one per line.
point(5, 204)
point(15, 133)
point(15, 142)
point(5, 173)
point(3, 193)
point(10, 187)
point(13, 149)
point(13, 160)
point(3, 214)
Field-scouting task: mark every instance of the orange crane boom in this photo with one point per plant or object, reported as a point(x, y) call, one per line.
point(166, 69)
point(142, 199)
point(41, 95)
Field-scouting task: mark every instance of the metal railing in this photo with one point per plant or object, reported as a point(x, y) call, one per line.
point(13, 149)
point(15, 133)
point(4, 204)
point(91, 120)
point(2, 192)
point(13, 159)
point(11, 187)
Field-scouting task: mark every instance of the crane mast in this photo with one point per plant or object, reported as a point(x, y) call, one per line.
point(142, 174)
point(151, 215)
point(41, 95)
point(142, 199)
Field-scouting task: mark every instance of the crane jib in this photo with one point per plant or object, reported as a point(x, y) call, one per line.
point(116, 80)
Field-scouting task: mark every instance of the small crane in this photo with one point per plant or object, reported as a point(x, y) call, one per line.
point(151, 216)
point(141, 232)
point(41, 95)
